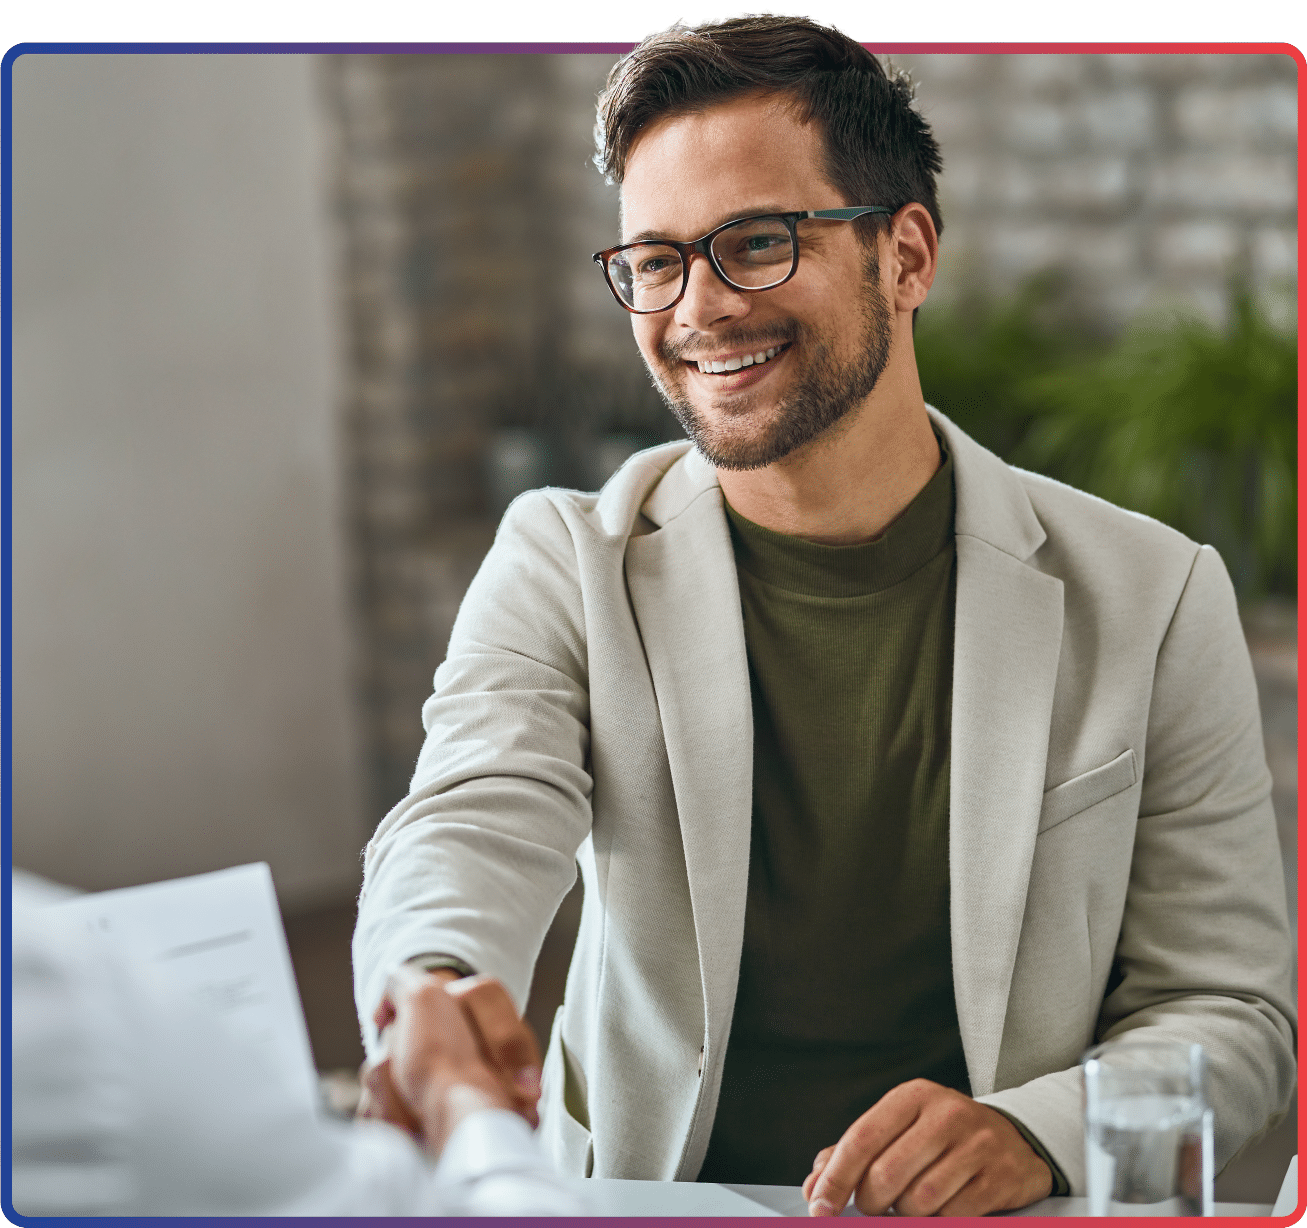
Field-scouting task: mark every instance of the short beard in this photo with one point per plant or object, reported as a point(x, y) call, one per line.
point(828, 393)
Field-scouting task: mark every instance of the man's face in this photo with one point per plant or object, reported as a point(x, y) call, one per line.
point(829, 325)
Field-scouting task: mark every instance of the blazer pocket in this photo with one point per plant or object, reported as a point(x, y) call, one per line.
point(1068, 799)
point(569, 1143)
point(576, 1113)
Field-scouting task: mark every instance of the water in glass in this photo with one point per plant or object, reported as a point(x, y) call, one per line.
point(1148, 1132)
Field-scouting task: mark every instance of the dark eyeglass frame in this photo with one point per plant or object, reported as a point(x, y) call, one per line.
point(704, 247)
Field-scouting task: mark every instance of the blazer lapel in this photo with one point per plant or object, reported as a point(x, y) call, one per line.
point(1007, 641)
point(686, 599)
point(1007, 637)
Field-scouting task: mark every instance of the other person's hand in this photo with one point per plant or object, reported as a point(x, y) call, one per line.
point(451, 1047)
point(924, 1149)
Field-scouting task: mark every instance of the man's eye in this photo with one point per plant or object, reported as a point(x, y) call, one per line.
point(762, 248)
point(656, 267)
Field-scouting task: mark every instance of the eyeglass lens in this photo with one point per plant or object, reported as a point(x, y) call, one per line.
point(753, 255)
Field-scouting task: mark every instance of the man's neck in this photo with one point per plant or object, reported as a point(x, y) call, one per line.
point(850, 485)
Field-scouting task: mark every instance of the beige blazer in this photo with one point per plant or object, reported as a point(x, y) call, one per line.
point(1113, 859)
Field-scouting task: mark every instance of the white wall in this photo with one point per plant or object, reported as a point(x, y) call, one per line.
point(181, 689)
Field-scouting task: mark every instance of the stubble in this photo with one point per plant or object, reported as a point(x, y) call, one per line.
point(828, 392)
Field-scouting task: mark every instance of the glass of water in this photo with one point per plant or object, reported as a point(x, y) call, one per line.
point(1148, 1130)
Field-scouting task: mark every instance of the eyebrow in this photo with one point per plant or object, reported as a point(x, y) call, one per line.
point(738, 215)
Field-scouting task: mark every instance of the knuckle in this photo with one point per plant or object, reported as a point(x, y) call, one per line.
point(945, 1124)
point(861, 1132)
point(923, 1193)
point(882, 1178)
point(900, 1094)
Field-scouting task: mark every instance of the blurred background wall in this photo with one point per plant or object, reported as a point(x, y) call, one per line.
point(284, 349)
point(181, 686)
point(473, 373)
point(1149, 179)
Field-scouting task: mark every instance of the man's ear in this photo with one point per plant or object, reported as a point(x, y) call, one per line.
point(913, 256)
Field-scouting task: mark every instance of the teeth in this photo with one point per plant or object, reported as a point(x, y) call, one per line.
point(716, 366)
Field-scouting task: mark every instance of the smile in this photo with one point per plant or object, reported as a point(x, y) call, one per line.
point(719, 366)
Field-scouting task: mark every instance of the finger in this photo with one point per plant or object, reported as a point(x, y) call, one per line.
point(976, 1193)
point(940, 1183)
point(507, 1040)
point(904, 1161)
point(383, 1101)
point(861, 1145)
point(365, 1106)
point(823, 1156)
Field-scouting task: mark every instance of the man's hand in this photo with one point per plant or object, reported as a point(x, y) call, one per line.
point(924, 1149)
point(452, 1047)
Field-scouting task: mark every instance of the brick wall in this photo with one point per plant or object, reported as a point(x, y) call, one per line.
point(1149, 179)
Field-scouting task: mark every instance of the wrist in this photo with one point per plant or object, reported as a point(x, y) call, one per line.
point(447, 1103)
point(1058, 1184)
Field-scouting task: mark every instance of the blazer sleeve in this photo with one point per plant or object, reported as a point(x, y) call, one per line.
point(1204, 951)
point(474, 862)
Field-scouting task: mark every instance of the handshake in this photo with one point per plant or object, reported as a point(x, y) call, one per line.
point(451, 1048)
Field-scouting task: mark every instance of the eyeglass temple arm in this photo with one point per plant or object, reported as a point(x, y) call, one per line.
point(847, 215)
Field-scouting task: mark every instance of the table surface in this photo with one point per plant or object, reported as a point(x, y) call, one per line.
point(608, 1196)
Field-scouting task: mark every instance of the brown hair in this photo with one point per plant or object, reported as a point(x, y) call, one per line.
point(878, 148)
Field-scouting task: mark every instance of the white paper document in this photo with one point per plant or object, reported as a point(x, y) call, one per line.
point(218, 939)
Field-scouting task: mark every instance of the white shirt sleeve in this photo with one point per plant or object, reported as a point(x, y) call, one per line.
point(128, 1100)
point(492, 1165)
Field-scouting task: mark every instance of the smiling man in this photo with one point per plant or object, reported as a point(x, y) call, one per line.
point(896, 777)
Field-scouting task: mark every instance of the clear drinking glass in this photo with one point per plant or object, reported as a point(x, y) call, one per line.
point(1148, 1130)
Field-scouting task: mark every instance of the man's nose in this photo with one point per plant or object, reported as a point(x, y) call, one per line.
point(708, 299)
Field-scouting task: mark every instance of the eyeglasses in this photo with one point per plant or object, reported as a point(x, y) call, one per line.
point(754, 253)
